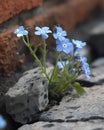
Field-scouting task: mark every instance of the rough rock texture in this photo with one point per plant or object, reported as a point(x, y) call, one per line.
point(76, 113)
point(10, 8)
point(89, 106)
point(28, 96)
point(92, 125)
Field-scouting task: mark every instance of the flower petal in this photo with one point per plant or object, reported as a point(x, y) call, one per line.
point(16, 31)
point(21, 28)
point(37, 33)
point(20, 35)
point(38, 28)
point(44, 36)
point(25, 32)
point(59, 47)
point(45, 28)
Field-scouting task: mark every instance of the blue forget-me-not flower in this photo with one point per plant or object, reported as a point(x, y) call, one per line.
point(2, 123)
point(60, 33)
point(85, 66)
point(61, 64)
point(78, 44)
point(42, 32)
point(20, 32)
point(65, 45)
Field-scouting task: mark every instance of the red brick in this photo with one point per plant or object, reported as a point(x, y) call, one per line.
point(9, 45)
point(9, 8)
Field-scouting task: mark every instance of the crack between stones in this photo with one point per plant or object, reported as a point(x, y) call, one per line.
point(90, 84)
point(87, 119)
point(76, 120)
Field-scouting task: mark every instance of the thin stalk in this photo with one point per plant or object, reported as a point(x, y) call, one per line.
point(55, 67)
point(66, 73)
point(32, 52)
point(35, 57)
point(44, 58)
point(44, 54)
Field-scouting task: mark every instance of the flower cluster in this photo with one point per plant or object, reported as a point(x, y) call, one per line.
point(72, 48)
point(66, 70)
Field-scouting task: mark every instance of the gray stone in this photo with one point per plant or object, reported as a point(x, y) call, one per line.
point(98, 63)
point(92, 125)
point(97, 76)
point(86, 107)
point(28, 96)
point(76, 113)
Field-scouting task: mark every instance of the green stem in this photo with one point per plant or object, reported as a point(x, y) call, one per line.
point(32, 52)
point(44, 54)
point(44, 58)
point(35, 57)
point(53, 73)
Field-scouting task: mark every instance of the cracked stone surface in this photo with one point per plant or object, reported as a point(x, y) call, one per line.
point(88, 106)
point(76, 113)
point(92, 125)
point(28, 97)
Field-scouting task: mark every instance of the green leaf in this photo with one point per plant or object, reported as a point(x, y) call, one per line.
point(80, 90)
point(78, 64)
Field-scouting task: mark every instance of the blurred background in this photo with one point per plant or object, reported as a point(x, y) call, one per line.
point(83, 20)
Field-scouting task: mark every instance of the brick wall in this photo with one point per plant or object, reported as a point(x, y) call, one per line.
point(30, 13)
point(9, 8)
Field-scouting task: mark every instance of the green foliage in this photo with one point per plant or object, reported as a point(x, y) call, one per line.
point(80, 90)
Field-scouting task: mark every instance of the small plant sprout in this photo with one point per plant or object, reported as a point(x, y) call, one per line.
point(66, 71)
